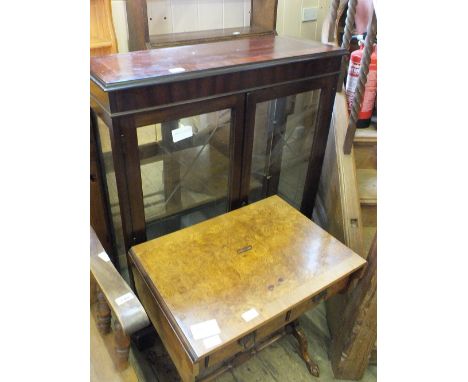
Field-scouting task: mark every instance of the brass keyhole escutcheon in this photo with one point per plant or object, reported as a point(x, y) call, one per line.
point(244, 249)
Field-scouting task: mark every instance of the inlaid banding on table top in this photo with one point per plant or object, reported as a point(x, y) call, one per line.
point(183, 61)
point(201, 276)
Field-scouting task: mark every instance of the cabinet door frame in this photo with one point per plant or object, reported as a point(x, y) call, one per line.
point(327, 86)
point(123, 131)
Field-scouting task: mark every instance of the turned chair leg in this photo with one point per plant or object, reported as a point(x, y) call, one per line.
point(103, 313)
point(122, 346)
point(298, 333)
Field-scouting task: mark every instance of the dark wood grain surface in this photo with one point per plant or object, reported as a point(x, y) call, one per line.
point(205, 36)
point(177, 62)
point(266, 256)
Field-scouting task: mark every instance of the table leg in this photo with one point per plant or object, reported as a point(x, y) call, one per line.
point(298, 333)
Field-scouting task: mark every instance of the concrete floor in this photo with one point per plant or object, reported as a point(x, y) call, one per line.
point(278, 362)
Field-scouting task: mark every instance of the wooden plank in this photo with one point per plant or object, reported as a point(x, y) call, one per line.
point(368, 237)
point(212, 35)
point(367, 135)
point(137, 20)
point(339, 210)
point(367, 184)
point(365, 155)
point(283, 362)
point(369, 216)
point(264, 13)
point(349, 354)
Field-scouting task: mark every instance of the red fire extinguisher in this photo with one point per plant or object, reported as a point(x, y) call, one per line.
point(370, 91)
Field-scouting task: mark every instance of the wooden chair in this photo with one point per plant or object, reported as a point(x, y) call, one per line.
point(112, 297)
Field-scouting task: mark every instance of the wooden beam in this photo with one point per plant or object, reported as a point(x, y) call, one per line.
point(351, 348)
point(337, 206)
point(263, 14)
point(137, 19)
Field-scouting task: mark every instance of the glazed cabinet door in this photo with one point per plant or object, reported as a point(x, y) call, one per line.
point(189, 163)
point(285, 140)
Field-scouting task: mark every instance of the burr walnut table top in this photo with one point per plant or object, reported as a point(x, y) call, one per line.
point(240, 270)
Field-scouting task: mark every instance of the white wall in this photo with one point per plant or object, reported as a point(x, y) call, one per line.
point(192, 15)
point(289, 19)
point(173, 16)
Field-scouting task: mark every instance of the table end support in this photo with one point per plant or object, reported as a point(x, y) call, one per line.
point(301, 338)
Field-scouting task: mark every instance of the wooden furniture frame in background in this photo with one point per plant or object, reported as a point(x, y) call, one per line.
point(102, 34)
point(262, 22)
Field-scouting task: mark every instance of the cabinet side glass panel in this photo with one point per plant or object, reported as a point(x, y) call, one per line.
point(185, 171)
point(283, 136)
point(111, 185)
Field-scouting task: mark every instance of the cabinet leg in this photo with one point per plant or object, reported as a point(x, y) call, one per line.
point(103, 313)
point(298, 333)
point(122, 346)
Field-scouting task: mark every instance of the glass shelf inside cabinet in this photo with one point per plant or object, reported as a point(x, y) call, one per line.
point(185, 170)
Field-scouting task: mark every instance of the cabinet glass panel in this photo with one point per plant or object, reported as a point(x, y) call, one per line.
point(283, 135)
point(185, 171)
point(105, 149)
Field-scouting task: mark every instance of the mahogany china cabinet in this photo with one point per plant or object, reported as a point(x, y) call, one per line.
point(190, 132)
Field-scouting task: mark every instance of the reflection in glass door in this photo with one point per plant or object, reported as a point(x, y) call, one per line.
point(282, 144)
point(185, 167)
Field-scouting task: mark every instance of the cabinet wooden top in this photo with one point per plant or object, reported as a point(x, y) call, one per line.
point(240, 269)
point(155, 66)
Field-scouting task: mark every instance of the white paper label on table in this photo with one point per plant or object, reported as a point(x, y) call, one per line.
point(205, 329)
point(103, 256)
point(211, 341)
point(181, 133)
point(176, 70)
point(249, 315)
point(124, 298)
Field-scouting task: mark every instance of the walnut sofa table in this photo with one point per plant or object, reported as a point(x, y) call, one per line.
point(221, 290)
